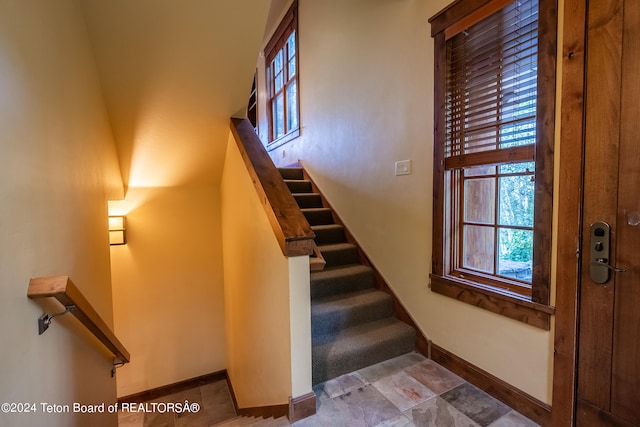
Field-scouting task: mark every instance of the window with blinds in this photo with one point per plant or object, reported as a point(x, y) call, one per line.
point(492, 85)
point(490, 121)
point(493, 148)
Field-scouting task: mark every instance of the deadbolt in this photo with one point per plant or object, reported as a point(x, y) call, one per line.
point(600, 240)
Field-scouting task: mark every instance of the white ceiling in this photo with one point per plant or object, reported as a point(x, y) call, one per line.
point(173, 72)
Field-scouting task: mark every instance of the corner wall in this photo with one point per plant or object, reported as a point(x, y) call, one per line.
point(267, 301)
point(58, 167)
point(167, 286)
point(366, 96)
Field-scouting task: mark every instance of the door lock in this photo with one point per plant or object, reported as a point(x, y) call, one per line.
point(599, 267)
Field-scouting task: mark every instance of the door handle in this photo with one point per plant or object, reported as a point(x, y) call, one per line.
point(600, 241)
point(603, 263)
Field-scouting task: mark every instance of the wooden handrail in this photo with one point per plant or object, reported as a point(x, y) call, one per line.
point(291, 228)
point(63, 289)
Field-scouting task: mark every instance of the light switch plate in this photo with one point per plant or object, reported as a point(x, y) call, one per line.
point(403, 167)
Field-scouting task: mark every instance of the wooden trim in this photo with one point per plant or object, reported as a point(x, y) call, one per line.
point(545, 144)
point(453, 13)
point(291, 228)
point(569, 214)
point(158, 392)
point(66, 292)
point(531, 313)
point(517, 399)
point(475, 17)
point(399, 311)
point(275, 411)
point(522, 153)
point(276, 41)
point(302, 407)
point(438, 258)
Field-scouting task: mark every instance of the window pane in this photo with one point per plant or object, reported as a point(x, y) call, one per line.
point(292, 106)
point(292, 67)
point(291, 54)
point(525, 167)
point(479, 200)
point(480, 171)
point(292, 44)
point(278, 116)
point(478, 248)
point(278, 74)
point(516, 200)
point(516, 253)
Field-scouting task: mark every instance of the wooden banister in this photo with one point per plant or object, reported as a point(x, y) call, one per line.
point(291, 228)
point(63, 289)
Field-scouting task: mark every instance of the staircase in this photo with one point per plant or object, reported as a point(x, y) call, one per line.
point(352, 323)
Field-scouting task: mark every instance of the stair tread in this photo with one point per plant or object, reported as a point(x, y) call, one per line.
point(342, 270)
point(306, 194)
point(327, 227)
point(315, 210)
point(342, 301)
point(336, 246)
point(364, 335)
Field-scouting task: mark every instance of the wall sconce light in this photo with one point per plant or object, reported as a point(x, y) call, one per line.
point(117, 230)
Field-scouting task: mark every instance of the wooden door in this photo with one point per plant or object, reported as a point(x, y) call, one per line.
point(609, 339)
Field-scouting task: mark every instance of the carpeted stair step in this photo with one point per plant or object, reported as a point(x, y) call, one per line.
point(291, 173)
point(360, 346)
point(318, 216)
point(328, 234)
point(331, 314)
point(308, 200)
point(299, 186)
point(340, 280)
point(337, 254)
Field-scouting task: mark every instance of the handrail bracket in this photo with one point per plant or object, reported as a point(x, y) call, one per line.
point(45, 320)
point(117, 363)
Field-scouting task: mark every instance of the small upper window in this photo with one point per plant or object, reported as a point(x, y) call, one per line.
point(281, 55)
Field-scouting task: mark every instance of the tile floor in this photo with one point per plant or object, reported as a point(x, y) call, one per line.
point(409, 390)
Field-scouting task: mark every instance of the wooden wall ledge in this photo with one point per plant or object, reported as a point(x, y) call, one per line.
point(291, 228)
point(63, 289)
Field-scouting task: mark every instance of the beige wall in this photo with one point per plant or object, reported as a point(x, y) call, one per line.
point(57, 168)
point(167, 286)
point(366, 95)
point(267, 299)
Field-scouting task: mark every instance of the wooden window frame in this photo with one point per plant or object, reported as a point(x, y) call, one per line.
point(534, 310)
point(277, 43)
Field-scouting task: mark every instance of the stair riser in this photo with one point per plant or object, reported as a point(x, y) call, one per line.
point(326, 236)
point(308, 200)
point(291, 173)
point(321, 288)
point(339, 257)
point(326, 366)
point(319, 217)
point(333, 322)
point(299, 186)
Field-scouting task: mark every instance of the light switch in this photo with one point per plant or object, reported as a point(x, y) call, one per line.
point(403, 167)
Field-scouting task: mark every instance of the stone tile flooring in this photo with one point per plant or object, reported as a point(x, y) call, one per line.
point(409, 390)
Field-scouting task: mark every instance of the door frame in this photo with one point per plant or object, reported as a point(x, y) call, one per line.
point(569, 222)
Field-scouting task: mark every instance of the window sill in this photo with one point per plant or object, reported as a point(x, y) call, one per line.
point(503, 303)
point(283, 139)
